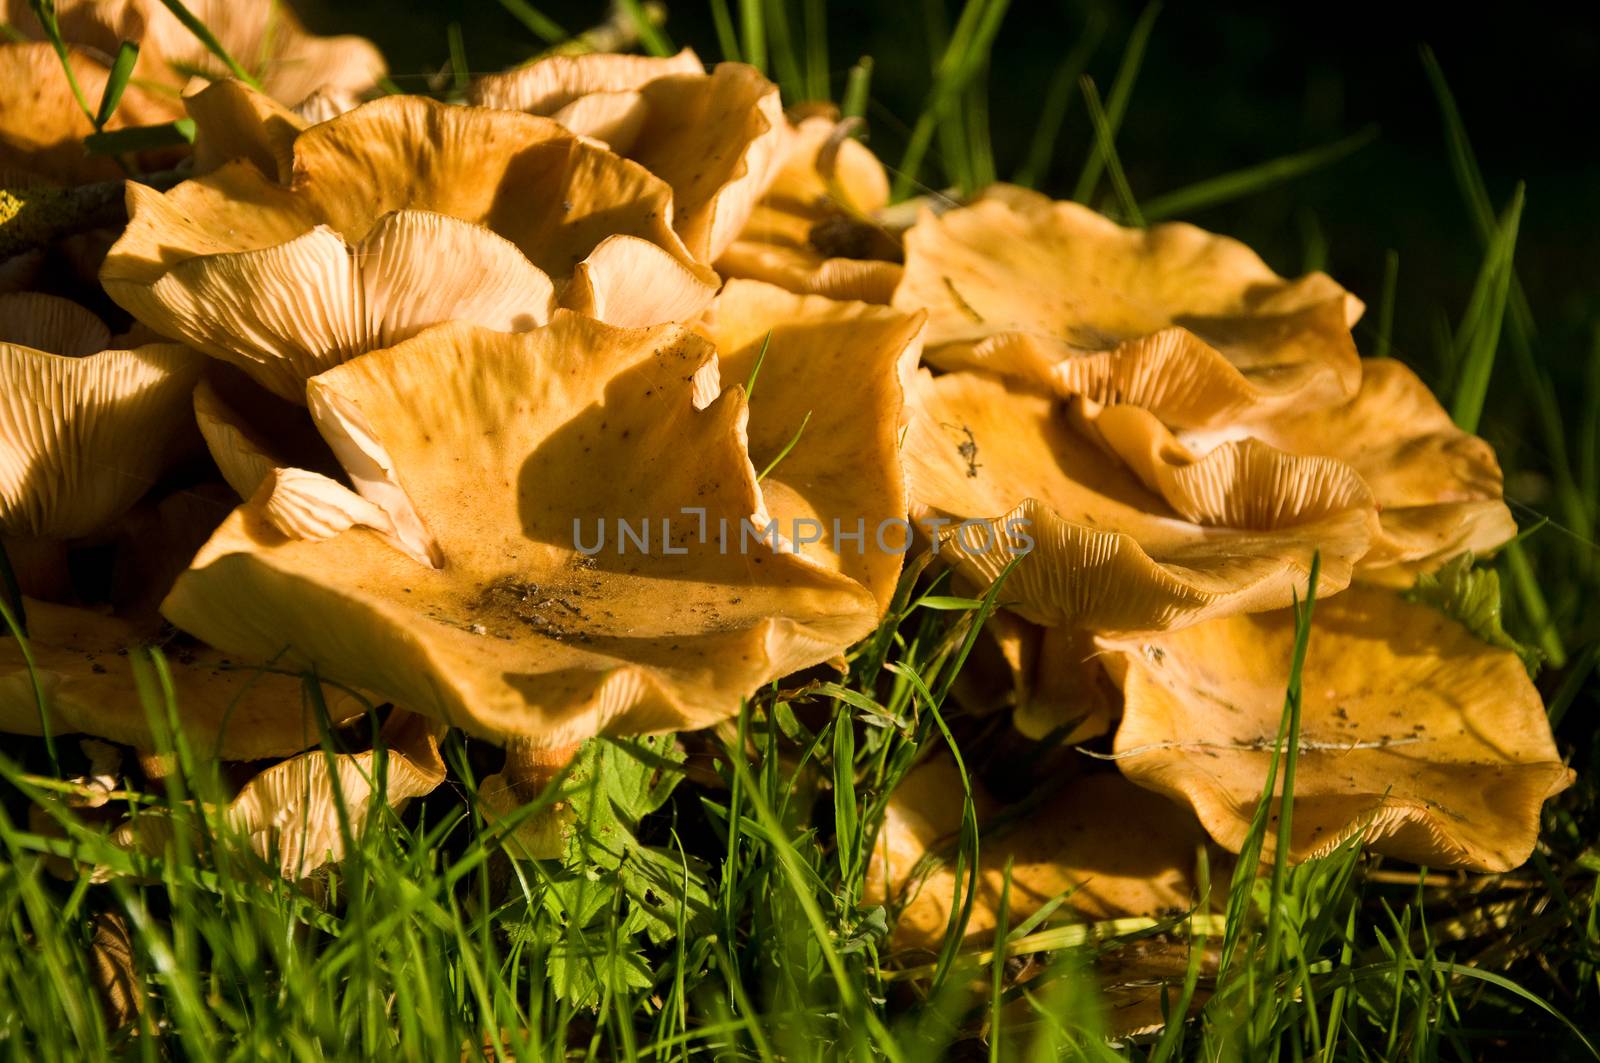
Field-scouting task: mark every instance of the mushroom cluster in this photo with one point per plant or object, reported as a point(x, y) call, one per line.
point(1154, 439)
point(597, 403)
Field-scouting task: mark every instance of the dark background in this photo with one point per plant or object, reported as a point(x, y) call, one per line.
point(1223, 87)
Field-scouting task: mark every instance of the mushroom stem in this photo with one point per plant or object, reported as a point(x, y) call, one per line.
point(40, 567)
point(531, 767)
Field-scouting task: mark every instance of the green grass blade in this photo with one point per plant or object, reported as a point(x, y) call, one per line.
point(865, 1025)
point(1391, 284)
point(1530, 596)
point(962, 56)
point(1293, 701)
point(858, 89)
point(997, 969)
point(1478, 338)
point(1057, 101)
point(816, 50)
point(45, 12)
point(784, 453)
point(11, 591)
point(755, 370)
point(1106, 148)
point(976, 118)
point(13, 625)
point(651, 35)
point(538, 23)
point(1251, 180)
point(459, 76)
point(727, 38)
point(753, 30)
point(846, 822)
point(203, 34)
point(1520, 325)
point(116, 82)
point(1503, 983)
point(141, 138)
point(1117, 102)
point(1588, 476)
point(786, 66)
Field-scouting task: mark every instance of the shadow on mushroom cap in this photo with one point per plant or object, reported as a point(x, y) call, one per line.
point(496, 451)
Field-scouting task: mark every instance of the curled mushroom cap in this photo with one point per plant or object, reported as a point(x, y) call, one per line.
point(401, 214)
point(827, 182)
point(827, 406)
point(299, 809)
point(1019, 472)
point(469, 583)
point(83, 431)
point(234, 121)
point(42, 126)
point(715, 138)
point(1438, 488)
point(1434, 743)
point(263, 35)
point(596, 95)
point(249, 431)
point(81, 665)
point(1189, 325)
point(1138, 862)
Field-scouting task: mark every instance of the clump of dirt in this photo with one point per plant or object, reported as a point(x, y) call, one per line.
point(511, 606)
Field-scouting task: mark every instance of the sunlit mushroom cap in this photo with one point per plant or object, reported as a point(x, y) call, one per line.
point(81, 664)
point(1189, 325)
point(716, 138)
point(458, 587)
point(234, 121)
point(300, 810)
point(596, 95)
point(826, 176)
point(1438, 488)
point(84, 431)
point(1233, 532)
point(1433, 742)
point(263, 35)
point(42, 126)
point(401, 214)
point(831, 383)
point(1139, 861)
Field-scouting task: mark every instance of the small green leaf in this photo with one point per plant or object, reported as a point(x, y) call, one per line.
point(582, 965)
point(657, 888)
point(611, 787)
point(1472, 597)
